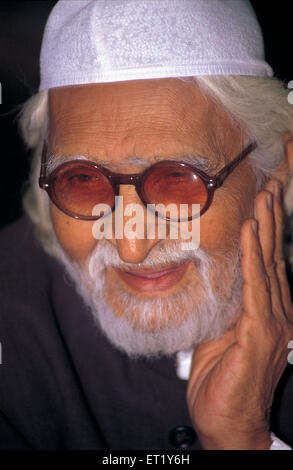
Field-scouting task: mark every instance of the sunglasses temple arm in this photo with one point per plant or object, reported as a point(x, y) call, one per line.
point(222, 175)
point(43, 173)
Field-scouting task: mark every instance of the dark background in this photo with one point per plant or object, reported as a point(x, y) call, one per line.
point(21, 27)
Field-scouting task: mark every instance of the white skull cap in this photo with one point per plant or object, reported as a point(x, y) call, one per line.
point(98, 41)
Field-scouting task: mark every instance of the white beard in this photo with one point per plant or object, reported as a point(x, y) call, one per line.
point(207, 316)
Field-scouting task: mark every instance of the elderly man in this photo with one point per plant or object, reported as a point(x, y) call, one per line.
point(158, 102)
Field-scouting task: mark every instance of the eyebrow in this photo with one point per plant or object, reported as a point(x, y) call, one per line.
point(199, 161)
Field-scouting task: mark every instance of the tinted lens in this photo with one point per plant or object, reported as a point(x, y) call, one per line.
point(175, 184)
point(78, 187)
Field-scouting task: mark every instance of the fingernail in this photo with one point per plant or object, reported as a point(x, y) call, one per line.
point(254, 226)
point(269, 202)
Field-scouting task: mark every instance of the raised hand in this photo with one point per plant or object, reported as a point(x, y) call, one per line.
point(233, 378)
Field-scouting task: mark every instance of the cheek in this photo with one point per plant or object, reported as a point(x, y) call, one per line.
point(75, 236)
point(221, 225)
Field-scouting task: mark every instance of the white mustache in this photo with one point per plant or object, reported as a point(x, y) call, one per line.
point(107, 255)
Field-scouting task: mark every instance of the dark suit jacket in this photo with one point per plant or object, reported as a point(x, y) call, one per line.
point(63, 386)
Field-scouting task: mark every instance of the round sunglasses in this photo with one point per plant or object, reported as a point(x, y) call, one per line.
point(77, 186)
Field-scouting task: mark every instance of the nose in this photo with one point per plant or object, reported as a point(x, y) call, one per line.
point(131, 215)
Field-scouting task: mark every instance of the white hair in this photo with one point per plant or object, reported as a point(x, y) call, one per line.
point(259, 105)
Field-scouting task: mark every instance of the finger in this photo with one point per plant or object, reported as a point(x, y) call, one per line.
point(279, 252)
point(266, 226)
point(256, 288)
point(267, 239)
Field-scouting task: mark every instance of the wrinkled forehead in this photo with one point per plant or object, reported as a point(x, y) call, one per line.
point(164, 117)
